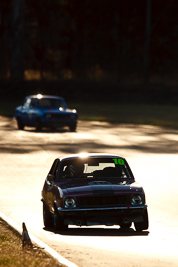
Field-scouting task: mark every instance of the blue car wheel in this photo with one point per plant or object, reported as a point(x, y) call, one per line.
point(38, 125)
point(20, 124)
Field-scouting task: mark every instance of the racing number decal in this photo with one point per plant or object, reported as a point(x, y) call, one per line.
point(119, 161)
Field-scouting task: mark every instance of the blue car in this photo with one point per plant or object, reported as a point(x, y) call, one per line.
point(45, 111)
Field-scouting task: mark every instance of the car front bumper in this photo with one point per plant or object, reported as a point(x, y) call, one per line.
point(102, 215)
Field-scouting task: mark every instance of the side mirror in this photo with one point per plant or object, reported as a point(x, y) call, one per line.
point(50, 178)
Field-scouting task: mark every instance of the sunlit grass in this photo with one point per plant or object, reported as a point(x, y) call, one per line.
point(12, 253)
point(37, 75)
point(32, 75)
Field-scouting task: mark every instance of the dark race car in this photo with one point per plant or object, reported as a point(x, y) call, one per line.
point(93, 189)
point(45, 111)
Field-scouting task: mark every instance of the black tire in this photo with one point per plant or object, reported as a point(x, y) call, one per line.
point(47, 217)
point(38, 125)
point(73, 127)
point(140, 226)
point(125, 225)
point(20, 124)
point(59, 222)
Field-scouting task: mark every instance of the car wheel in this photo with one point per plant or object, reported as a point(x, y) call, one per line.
point(140, 226)
point(73, 127)
point(20, 124)
point(38, 125)
point(59, 222)
point(47, 217)
point(125, 225)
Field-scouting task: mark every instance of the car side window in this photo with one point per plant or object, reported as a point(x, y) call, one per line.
point(32, 104)
point(27, 103)
point(54, 169)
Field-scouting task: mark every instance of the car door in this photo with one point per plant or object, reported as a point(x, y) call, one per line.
point(26, 112)
point(32, 112)
point(51, 188)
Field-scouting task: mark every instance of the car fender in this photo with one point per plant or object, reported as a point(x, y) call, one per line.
point(58, 197)
point(42, 200)
point(56, 206)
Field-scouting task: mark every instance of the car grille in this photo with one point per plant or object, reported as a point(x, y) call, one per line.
point(60, 116)
point(103, 201)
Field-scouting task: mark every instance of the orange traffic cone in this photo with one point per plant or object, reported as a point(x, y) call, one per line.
point(25, 237)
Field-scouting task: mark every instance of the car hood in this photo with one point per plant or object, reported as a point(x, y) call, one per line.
point(99, 187)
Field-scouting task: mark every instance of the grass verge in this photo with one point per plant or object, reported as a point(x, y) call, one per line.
point(158, 115)
point(12, 253)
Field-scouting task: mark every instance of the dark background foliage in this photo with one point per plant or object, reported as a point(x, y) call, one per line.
point(90, 49)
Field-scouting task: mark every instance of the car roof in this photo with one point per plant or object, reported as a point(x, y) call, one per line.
point(90, 155)
point(46, 96)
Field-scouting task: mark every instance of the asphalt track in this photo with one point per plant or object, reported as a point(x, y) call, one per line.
point(152, 153)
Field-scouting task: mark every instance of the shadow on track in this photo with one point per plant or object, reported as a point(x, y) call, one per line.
point(46, 130)
point(147, 139)
point(99, 232)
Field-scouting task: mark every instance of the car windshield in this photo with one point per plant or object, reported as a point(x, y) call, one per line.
point(51, 103)
point(95, 167)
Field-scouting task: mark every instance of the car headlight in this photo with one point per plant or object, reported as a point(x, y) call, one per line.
point(137, 200)
point(69, 202)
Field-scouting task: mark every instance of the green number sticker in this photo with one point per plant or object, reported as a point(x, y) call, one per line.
point(119, 161)
point(115, 161)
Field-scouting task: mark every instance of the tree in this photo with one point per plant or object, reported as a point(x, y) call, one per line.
point(4, 37)
point(147, 43)
point(17, 40)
